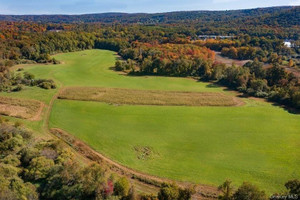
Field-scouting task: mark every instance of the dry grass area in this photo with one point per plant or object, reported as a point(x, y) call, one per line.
point(228, 61)
point(148, 97)
point(20, 108)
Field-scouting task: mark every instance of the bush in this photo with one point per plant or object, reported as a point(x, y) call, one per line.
point(38, 168)
point(11, 160)
point(18, 124)
point(248, 191)
point(18, 88)
point(54, 61)
point(293, 186)
point(227, 190)
point(121, 187)
point(45, 84)
point(168, 192)
point(148, 197)
point(28, 76)
point(296, 100)
point(185, 194)
point(119, 66)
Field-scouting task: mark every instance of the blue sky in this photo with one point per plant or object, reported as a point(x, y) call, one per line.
point(131, 6)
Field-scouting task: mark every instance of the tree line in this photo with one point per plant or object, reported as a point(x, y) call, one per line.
point(273, 83)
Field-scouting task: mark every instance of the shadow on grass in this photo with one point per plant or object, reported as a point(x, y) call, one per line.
point(213, 85)
point(113, 68)
point(285, 107)
point(146, 75)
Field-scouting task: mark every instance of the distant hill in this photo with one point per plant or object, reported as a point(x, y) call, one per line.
point(284, 16)
point(289, 17)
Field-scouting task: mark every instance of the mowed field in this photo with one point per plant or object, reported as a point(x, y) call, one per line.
point(254, 142)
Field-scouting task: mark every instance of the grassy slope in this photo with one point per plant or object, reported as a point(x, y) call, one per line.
point(199, 144)
point(91, 68)
point(257, 142)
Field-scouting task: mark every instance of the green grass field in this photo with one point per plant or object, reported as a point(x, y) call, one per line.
point(199, 144)
point(92, 68)
point(256, 142)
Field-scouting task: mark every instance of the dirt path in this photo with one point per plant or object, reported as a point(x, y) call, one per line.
point(38, 115)
point(228, 61)
point(203, 191)
point(48, 112)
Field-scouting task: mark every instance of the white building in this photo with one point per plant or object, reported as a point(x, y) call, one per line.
point(287, 44)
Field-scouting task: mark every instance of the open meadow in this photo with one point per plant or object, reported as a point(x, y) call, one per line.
point(252, 141)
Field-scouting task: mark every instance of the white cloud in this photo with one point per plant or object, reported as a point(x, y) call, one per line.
point(223, 1)
point(295, 3)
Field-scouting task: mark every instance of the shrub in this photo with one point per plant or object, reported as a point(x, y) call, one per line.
point(293, 186)
point(11, 160)
point(38, 168)
point(296, 99)
point(54, 61)
point(18, 124)
point(28, 76)
point(248, 191)
point(148, 197)
point(119, 66)
point(45, 84)
point(18, 88)
point(226, 189)
point(168, 192)
point(121, 187)
point(185, 194)
point(131, 194)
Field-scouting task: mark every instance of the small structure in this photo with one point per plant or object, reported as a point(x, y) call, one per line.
point(287, 43)
point(55, 30)
point(205, 37)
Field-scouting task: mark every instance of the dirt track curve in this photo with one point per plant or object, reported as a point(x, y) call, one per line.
point(203, 192)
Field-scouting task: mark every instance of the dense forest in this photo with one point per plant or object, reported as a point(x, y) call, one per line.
point(282, 22)
point(285, 16)
point(169, 49)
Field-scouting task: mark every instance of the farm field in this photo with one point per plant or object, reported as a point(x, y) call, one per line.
point(200, 144)
point(255, 142)
point(148, 97)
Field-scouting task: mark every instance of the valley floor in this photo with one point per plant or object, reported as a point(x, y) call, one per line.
point(255, 141)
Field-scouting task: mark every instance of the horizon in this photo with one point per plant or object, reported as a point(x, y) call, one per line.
point(172, 11)
point(81, 7)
